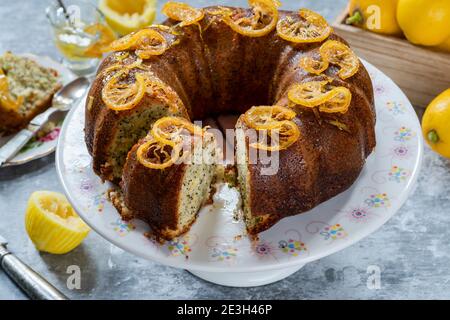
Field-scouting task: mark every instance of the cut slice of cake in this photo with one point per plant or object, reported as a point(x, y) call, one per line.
point(26, 89)
point(166, 196)
point(254, 223)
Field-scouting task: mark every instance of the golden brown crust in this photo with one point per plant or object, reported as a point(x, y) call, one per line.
point(215, 70)
point(153, 195)
point(324, 162)
point(101, 122)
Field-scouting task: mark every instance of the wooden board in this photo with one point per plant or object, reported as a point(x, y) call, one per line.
point(421, 72)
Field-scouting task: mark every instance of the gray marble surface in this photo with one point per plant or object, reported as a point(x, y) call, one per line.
point(412, 249)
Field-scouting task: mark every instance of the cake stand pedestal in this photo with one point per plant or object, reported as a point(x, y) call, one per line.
point(246, 279)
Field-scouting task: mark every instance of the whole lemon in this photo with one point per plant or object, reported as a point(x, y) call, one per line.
point(424, 22)
point(436, 124)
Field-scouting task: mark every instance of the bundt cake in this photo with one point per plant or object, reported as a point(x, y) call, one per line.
point(306, 104)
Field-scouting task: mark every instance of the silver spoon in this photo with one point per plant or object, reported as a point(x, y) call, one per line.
point(63, 100)
point(66, 14)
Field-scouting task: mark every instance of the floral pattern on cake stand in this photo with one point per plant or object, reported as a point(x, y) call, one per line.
point(217, 248)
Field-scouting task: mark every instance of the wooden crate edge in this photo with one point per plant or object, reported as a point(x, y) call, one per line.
point(416, 52)
point(339, 24)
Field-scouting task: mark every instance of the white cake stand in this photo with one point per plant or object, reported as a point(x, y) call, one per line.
point(216, 249)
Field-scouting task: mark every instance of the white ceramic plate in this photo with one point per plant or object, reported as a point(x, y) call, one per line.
point(215, 242)
point(39, 147)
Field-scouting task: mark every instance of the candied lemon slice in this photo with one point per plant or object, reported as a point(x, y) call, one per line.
point(338, 102)
point(307, 27)
point(152, 44)
point(267, 117)
point(6, 100)
point(52, 224)
point(310, 94)
point(274, 122)
point(337, 53)
point(182, 12)
point(105, 37)
point(170, 130)
point(260, 22)
point(124, 43)
point(314, 66)
point(126, 16)
point(147, 42)
point(10, 103)
point(156, 155)
point(321, 94)
point(121, 95)
point(278, 138)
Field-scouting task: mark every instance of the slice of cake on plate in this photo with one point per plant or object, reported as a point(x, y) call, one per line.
point(26, 89)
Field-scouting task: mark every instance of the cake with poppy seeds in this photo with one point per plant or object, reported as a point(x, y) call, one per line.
point(289, 76)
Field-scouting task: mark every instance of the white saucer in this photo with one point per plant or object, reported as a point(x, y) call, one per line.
point(216, 248)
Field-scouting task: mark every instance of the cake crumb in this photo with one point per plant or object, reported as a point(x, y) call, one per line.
point(212, 191)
